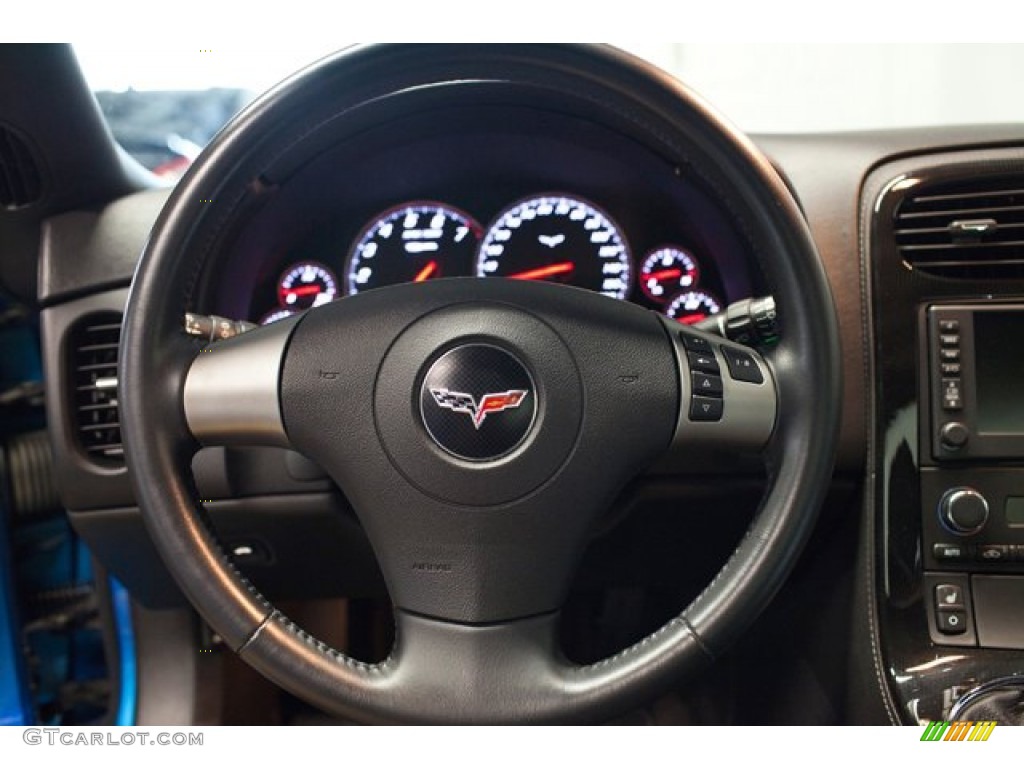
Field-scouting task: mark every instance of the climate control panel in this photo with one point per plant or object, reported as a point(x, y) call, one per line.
point(973, 519)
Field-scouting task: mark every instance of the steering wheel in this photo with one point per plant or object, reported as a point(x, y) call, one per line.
point(478, 427)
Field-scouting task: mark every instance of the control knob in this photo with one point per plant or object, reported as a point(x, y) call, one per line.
point(963, 511)
point(954, 435)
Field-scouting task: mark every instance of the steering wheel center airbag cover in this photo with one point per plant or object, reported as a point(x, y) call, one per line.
point(452, 449)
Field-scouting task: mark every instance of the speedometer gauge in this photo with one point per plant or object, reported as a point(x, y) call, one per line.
point(412, 243)
point(557, 238)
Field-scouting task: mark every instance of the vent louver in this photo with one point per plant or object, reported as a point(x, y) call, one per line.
point(20, 180)
point(972, 228)
point(93, 368)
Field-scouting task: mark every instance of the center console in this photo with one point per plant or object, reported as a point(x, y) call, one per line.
point(944, 278)
point(972, 494)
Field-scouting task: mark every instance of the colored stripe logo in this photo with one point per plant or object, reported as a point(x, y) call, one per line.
point(958, 730)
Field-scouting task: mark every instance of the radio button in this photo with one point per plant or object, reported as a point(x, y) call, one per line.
point(949, 355)
point(951, 395)
point(949, 339)
point(950, 368)
point(949, 326)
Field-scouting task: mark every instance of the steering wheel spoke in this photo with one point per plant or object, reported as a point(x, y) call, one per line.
point(232, 391)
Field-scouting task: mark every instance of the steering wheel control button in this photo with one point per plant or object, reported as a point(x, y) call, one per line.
point(705, 408)
point(951, 622)
point(706, 384)
point(702, 362)
point(478, 402)
point(696, 343)
point(949, 597)
point(963, 511)
point(742, 366)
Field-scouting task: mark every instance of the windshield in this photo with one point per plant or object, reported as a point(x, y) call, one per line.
point(163, 114)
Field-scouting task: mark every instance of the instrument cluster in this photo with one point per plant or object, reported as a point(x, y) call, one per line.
point(558, 237)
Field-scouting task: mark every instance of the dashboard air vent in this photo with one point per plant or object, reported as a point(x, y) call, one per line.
point(972, 228)
point(20, 181)
point(93, 369)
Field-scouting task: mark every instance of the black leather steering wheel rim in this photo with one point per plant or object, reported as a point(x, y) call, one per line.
point(155, 356)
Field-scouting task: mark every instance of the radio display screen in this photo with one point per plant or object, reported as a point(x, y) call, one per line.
point(999, 371)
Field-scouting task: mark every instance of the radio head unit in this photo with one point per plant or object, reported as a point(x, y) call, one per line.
point(976, 374)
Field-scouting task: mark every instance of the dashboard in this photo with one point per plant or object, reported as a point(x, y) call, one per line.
point(494, 190)
point(552, 199)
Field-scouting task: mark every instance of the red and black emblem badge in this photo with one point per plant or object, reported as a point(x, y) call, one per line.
point(478, 402)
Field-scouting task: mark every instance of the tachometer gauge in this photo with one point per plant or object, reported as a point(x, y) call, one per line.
point(412, 243)
point(666, 271)
point(307, 284)
point(557, 238)
point(693, 306)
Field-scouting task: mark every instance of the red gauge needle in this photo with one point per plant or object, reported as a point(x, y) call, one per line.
point(426, 272)
point(690, 319)
point(303, 290)
point(542, 273)
point(665, 274)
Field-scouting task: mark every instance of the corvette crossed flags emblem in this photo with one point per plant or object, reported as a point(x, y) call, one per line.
point(493, 402)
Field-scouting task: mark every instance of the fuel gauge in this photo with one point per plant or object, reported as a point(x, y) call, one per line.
point(274, 315)
point(693, 306)
point(306, 284)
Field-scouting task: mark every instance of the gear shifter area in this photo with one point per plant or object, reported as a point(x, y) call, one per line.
point(1001, 701)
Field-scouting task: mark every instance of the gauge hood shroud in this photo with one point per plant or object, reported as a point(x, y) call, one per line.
point(483, 677)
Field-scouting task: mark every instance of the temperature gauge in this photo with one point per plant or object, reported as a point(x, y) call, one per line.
point(307, 284)
point(666, 271)
point(692, 307)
